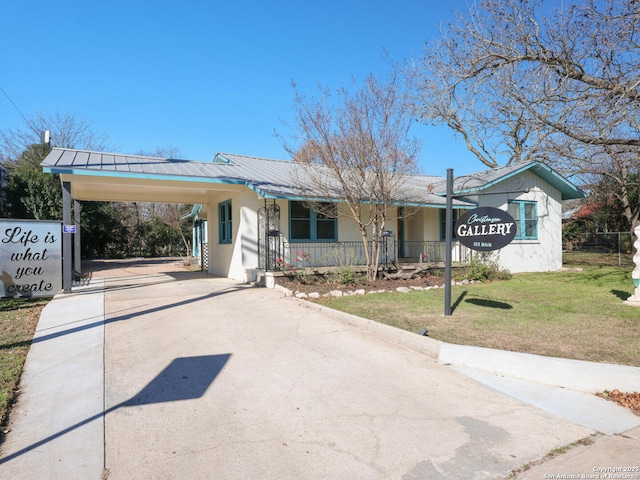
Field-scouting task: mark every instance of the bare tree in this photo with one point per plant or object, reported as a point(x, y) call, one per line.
point(170, 215)
point(173, 216)
point(31, 193)
point(521, 80)
point(67, 130)
point(355, 149)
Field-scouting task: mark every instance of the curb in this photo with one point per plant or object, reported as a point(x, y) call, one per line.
point(583, 376)
point(580, 375)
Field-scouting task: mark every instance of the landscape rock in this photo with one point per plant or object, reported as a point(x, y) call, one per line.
point(326, 287)
point(284, 290)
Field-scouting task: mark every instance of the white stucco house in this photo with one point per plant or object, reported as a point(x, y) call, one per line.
point(251, 214)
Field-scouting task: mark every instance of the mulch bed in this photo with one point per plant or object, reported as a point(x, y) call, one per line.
point(323, 284)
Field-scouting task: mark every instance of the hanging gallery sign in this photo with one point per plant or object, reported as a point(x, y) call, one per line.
point(485, 229)
point(31, 257)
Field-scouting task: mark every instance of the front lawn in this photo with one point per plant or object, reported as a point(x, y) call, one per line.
point(570, 314)
point(18, 322)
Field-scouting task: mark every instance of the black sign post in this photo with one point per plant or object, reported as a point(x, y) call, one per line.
point(448, 256)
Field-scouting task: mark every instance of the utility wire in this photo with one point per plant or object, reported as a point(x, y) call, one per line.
point(14, 105)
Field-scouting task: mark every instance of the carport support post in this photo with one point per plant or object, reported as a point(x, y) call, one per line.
point(67, 280)
point(448, 244)
point(77, 260)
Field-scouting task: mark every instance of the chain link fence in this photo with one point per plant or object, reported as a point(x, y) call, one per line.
point(600, 248)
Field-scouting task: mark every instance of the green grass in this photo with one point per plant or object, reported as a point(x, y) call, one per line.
point(578, 257)
point(567, 314)
point(18, 321)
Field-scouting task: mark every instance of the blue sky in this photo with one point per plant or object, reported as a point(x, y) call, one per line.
point(207, 76)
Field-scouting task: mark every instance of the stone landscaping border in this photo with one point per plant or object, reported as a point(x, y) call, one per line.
point(361, 291)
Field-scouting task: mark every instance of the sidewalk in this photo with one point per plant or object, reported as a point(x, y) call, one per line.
point(609, 457)
point(57, 427)
point(205, 378)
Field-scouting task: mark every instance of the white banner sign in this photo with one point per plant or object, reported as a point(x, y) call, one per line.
point(31, 257)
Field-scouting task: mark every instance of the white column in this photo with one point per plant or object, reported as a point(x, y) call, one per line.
point(634, 300)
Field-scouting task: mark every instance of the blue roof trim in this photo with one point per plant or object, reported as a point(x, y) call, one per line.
point(143, 176)
point(543, 171)
point(219, 181)
point(195, 211)
point(559, 181)
point(297, 198)
point(151, 176)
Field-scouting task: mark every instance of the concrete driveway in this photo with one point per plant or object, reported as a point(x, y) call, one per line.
point(153, 373)
point(206, 378)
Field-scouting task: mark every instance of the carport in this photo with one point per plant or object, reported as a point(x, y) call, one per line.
point(109, 177)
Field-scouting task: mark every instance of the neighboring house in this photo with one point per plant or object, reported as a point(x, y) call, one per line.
point(257, 218)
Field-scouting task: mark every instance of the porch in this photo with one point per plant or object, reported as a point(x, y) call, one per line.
point(281, 254)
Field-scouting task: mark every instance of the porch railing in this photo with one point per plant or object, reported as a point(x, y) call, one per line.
point(338, 254)
point(332, 254)
point(433, 251)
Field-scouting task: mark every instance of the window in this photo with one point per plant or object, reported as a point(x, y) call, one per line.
point(311, 225)
point(443, 222)
point(526, 216)
point(224, 222)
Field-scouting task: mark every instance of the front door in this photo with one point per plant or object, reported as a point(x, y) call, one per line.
point(401, 232)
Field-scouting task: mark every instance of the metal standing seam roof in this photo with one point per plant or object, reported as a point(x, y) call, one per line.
point(274, 178)
point(269, 178)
